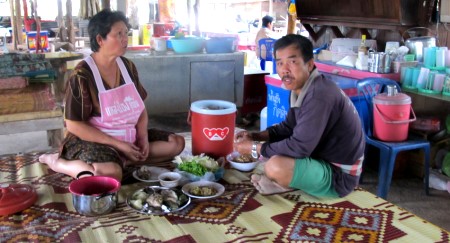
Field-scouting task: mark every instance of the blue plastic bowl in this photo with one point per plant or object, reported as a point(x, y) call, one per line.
point(220, 45)
point(187, 45)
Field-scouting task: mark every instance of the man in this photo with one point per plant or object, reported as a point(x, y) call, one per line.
point(264, 32)
point(319, 148)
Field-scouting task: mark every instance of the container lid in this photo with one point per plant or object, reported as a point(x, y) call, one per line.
point(213, 107)
point(16, 197)
point(398, 99)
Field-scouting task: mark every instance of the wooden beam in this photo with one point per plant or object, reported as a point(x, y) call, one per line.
point(315, 35)
point(337, 32)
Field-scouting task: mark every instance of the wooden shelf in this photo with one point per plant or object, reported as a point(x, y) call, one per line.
point(437, 97)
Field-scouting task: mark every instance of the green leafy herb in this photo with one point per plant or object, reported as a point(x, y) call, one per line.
point(193, 168)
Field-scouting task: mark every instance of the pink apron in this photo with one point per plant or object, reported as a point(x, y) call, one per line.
point(120, 107)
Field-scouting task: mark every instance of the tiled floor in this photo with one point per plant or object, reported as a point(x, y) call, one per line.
point(406, 191)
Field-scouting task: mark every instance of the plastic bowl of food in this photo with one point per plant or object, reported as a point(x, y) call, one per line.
point(242, 162)
point(169, 179)
point(184, 45)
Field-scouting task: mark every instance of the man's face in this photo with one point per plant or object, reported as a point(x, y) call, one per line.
point(291, 68)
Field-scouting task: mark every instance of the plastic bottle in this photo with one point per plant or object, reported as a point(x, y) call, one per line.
point(362, 54)
point(362, 49)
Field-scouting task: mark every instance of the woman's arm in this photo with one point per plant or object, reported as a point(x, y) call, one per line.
point(89, 133)
point(142, 134)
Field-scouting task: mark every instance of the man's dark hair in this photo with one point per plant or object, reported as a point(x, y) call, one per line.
point(266, 20)
point(300, 42)
point(101, 24)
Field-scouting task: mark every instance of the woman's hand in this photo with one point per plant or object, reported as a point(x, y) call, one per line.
point(131, 151)
point(144, 147)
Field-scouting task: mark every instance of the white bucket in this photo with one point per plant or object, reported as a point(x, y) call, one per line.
point(263, 119)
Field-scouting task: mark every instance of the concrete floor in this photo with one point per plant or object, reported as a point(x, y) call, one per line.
point(406, 191)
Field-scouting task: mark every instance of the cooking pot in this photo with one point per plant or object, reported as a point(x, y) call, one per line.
point(416, 45)
point(94, 195)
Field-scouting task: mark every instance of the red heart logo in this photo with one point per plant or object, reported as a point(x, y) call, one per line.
point(215, 134)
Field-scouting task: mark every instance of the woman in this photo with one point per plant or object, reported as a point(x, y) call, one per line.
point(104, 110)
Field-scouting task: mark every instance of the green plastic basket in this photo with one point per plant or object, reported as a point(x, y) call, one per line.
point(409, 57)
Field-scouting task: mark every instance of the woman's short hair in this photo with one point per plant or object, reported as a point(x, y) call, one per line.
point(101, 24)
point(300, 42)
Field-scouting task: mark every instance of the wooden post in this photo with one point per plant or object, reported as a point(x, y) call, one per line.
point(37, 19)
point(18, 23)
point(196, 10)
point(13, 22)
point(70, 30)
point(188, 3)
point(62, 33)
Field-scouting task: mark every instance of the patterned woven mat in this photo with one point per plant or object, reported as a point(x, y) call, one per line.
point(241, 214)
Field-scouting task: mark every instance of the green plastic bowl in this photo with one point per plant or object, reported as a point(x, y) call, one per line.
point(187, 45)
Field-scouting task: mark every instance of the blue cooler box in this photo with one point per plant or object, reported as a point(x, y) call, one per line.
point(277, 100)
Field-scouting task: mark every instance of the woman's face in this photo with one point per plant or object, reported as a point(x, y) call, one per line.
point(116, 41)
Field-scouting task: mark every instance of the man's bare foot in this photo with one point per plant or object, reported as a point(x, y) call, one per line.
point(266, 186)
point(49, 159)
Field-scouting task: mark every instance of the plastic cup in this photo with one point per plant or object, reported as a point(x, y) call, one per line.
point(407, 75)
point(447, 58)
point(422, 79)
point(430, 80)
point(446, 86)
point(429, 56)
point(438, 82)
point(440, 57)
point(415, 77)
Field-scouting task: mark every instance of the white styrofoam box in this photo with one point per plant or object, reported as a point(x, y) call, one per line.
point(350, 44)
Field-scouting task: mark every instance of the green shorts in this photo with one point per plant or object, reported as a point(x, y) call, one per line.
point(313, 177)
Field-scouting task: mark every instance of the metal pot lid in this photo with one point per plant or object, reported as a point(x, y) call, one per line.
point(420, 38)
point(16, 197)
point(398, 99)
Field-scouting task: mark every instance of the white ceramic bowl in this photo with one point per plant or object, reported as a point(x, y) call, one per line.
point(242, 166)
point(169, 179)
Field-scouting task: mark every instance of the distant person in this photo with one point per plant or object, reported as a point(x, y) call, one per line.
point(104, 110)
point(319, 147)
point(265, 32)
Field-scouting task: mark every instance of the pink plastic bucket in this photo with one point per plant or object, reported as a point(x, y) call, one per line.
point(391, 117)
point(212, 126)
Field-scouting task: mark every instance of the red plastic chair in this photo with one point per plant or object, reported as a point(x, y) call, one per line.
point(367, 89)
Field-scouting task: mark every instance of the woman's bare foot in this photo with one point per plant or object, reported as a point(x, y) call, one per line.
point(49, 159)
point(266, 186)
